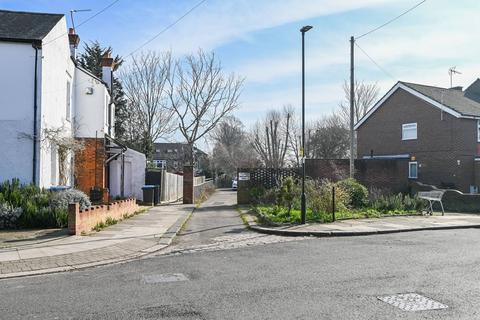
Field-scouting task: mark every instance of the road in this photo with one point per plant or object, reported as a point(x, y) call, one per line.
point(218, 270)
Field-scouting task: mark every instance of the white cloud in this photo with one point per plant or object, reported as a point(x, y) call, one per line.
point(218, 22)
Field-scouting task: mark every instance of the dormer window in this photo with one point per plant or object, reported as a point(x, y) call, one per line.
point(409, 131)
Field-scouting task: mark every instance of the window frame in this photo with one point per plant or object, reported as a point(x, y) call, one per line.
point(478, 130)
point(410, 163)
point(405, 127)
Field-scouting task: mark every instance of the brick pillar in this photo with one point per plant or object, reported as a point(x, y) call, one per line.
point(89, 165)
point(73, 218)
point(188, 197)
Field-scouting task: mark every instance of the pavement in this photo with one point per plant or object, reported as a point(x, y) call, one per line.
point(24, 253)
point(362, 227)
point(344, 278)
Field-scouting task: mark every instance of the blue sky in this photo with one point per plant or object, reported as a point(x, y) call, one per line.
point(260, 40)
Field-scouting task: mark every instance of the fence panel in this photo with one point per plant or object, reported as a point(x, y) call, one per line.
point(249, 178)
point(172, 187)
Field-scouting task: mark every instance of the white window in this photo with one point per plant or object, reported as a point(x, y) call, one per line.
point(409, 131)
point(413, 170)
point(478, 130)
point(68, 102)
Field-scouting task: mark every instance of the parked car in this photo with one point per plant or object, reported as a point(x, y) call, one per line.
point(234, 184)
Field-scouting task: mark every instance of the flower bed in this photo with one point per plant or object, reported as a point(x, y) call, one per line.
point(352, 201)
point(27, 206)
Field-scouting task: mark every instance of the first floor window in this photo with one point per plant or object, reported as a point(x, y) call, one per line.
point(413, 170)
point(478, 130)
point(409, 131)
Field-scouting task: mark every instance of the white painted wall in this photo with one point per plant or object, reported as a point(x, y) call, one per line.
point(135, 163)
point(57, 70)
point(17, 62)
point(90, 109)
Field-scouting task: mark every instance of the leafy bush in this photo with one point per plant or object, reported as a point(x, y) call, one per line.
point(357, 193)
point(34, 207)
point(287, 193)
point(398, 202)
point(319, 198)
point(9, 215)
point(61, 199)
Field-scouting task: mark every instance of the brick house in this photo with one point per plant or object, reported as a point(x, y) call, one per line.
point(436, 129)
point(172, 157)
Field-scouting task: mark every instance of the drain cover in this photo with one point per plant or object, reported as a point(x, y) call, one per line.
point(160, 278)
point(412, 302)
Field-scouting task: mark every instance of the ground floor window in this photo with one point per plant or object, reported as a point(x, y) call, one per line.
point(413, 170)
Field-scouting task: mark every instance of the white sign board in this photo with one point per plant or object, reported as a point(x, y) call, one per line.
point(244, 176)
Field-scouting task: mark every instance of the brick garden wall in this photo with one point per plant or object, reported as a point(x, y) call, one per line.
point(390, 175)
point(453, 200)
point(84, 220)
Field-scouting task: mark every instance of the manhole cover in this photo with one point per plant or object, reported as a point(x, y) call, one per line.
point(160, 278)
point(412, 302)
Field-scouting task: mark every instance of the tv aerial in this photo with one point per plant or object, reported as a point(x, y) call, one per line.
point(451, 72)
point(75, 11)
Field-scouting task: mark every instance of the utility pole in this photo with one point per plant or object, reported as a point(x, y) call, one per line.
point(352, 107)
point(303, 199)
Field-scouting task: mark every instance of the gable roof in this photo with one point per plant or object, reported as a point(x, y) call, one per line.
point(458, 103)
point(452, 98)
point(26, 26)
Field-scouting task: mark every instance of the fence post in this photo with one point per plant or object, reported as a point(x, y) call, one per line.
point(333, 203)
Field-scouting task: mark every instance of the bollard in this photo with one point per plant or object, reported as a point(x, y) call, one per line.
point(333, 203)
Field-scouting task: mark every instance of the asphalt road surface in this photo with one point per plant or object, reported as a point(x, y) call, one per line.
point(218, 270)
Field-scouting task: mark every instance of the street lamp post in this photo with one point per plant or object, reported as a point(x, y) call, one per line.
point(303, 200)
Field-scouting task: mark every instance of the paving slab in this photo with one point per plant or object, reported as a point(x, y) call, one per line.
point(129, 239)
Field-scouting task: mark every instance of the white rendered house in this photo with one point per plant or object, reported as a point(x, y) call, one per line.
point(42, 88)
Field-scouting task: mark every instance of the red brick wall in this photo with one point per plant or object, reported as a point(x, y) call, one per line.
point(442, 140)
point(89, 165)
point(390, 175)
point(85, 220)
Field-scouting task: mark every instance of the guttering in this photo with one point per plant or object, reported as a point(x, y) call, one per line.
point(36, 45)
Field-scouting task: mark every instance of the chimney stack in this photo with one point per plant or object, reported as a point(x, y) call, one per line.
point(107, 70)
point(74, 40)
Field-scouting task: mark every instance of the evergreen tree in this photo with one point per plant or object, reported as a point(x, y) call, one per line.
point(91, 60)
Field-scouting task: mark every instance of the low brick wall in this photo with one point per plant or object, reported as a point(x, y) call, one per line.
point(453, 200)
point(84, 220)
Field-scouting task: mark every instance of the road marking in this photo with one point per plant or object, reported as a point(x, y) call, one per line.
point(161, 278)
point(412, 302)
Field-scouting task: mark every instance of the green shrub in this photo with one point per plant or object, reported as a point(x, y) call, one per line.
point(9, 215)
point(319, 199)
point(357, 192)
point(61, 199)
point(396, 203)
point(287, 193)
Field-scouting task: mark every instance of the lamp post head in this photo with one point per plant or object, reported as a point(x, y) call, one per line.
point(305, 29)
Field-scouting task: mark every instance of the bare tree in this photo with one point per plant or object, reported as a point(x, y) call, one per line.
point(232, 149)
point(145, 85)
point(329, 139)
point(201, 95)
point(365, 96)
point(271, 137)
